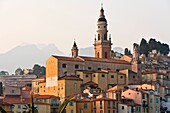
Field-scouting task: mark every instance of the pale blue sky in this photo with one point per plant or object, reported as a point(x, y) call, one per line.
point(60, 21)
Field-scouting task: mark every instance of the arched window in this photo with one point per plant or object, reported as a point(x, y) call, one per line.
point(98, 55)
point(105, 54)
point(98, 36)
point(105, 36)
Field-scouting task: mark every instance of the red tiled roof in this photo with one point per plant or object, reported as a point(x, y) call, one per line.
point(91, 83)
point(85, 58)
point(27, 88)
point(70, 78)
point(104, 60)
point(167, 95)
point(45, 96)
point(68, 58)
point(104, 99)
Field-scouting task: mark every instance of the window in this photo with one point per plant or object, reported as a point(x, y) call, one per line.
point(45, 100)
point(157, 100)
point(13, 91)
point(100, 104)
point(102, 75)
point(133, 76)
point(113, 105)
point(98, 54)
point(71, 111)
point(94, 104)
point(89, 68)
point(105, 36)
point(129, 93)
point(105, 54)
point(112, 76)
point(108, 104)
point(104, 26)
point(151, 100)
point(87, 75)
point(143, 96)
point(81, 111)
point(136, 108)
point(108, 111)
point(78, 75)
point(38, 107)
point(64, 65)
point(98, 36)
point(71, 104)
point(85, 105)
point(98, 68)
point(101, 111)
point(122, 107)
point(98, 26)
point(94, 75)
point(19, 106)
point(121, 77)
point(76, 66)
point(139, 109)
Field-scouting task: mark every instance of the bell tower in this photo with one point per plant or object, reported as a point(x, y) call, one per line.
point(102, 45)
point(74, 50)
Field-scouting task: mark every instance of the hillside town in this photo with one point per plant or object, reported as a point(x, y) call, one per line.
point(105, 83)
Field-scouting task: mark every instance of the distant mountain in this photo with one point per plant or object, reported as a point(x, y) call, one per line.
point(89, 51)
point(118, 49)
point(26, 55)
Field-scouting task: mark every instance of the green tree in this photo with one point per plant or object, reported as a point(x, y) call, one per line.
point(2, 110)
point(19, 71)
point(126, 52)
point(4, 73)
point(152, 44)
point(39, 70)
point(144, 47)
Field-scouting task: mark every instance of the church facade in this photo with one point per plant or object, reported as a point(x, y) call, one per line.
point(58, 66)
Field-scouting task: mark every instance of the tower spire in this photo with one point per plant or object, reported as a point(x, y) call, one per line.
point(74, 50)
point(102, 45)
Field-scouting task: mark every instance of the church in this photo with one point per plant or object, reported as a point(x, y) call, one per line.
point(65, 75)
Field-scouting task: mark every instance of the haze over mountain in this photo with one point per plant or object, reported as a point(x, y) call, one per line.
point(26, 55)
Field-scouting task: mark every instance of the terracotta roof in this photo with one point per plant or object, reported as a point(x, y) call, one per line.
point(40, 78)
point(68, 58)
point(27, 88)
point(72, 77)
point(149, 72)
point(85, 58)
point(91, 83)
point(104, 60)
point(167, 95)
point(45, 96)
point(104, 99)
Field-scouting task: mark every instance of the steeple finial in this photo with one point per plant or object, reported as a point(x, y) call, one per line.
point(101, 5)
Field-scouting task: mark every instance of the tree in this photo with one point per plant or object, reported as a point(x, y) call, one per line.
point(126, 51)
point(19, 71)
point(2, 110)
point(152, 44)
point(144, 47)
point(39, 70)
point(4, 73)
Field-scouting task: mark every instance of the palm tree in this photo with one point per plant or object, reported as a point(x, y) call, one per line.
point(2, 110)
point(28, 109)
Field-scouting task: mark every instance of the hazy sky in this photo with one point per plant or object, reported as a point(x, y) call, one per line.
point(60, 21)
